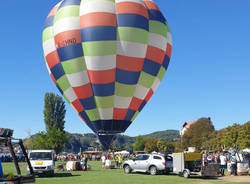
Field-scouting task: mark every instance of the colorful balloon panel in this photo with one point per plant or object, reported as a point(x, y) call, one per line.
point(107, 58)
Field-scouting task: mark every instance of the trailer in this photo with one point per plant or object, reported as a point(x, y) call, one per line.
point(6, 139)
point(187, 164)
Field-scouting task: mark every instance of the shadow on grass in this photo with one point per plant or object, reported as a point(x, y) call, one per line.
point(60, 175)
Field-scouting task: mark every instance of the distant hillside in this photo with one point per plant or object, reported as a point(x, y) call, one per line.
point(168, 135)
point(83, 141)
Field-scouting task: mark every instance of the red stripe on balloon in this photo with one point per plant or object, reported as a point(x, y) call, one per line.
point(149, 95)
point(119, 114)
point(155, 54)
point(131, 64)
point(84, 91)
point(68, 38)
point(102, 77)
point(135, 103)
point(131, 8)
point(97, 19)
point(151, 5)
point(78, 106)
point(169, 50)
point(52, 59)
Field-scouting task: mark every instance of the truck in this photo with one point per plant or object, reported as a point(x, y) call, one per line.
point(42, 162)
point(186, 164)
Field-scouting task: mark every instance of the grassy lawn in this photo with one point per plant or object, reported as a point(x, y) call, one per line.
point(97, 175)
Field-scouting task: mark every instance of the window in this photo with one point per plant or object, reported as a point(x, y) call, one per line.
point(157, 158)
point(145, 157)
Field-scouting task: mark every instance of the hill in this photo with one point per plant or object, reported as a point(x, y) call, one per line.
point(84, 141)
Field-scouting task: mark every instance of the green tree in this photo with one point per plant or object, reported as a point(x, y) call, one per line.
point(139, 144)
point(231, 135)
point(151, 144)
point(197, 134)
point(54, 111)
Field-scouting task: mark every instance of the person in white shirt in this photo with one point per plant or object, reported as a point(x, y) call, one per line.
point(103, 158)
point(233, 164)
point(223, 163)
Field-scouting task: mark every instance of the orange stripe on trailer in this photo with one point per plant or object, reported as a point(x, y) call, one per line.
point(135, 104)
point(97, 19)
point(131, 8)
point(149, 95)
point(68, 38)
point(78, 106)
point(119, 114)
point(102, 77)
point(52, 59)
point(131, 64)
point(169, 50)
point(155, 54)
point(151, 5)
point(84, 91)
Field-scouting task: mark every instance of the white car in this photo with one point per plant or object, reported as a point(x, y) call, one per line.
point(42, 162)
point(152, 163)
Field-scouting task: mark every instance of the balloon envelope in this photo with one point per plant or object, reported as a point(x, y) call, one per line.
point(107, 58)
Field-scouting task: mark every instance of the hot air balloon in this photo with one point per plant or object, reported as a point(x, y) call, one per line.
point(107, 58)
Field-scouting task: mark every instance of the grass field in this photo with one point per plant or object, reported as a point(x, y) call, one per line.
point(97, 175)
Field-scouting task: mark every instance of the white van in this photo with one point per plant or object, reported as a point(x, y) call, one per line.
point(42, 162)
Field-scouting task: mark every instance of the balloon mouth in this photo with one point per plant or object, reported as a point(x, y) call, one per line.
point(111, 127)
point(106, 140)
point(106, 130)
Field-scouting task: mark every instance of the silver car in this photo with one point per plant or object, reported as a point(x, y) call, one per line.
point(152, 163)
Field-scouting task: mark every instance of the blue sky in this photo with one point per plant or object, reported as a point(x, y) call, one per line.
point(208, 75)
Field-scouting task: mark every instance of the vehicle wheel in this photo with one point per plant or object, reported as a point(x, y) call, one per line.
point(153, 170)
point(185, 174)
point(127, 169)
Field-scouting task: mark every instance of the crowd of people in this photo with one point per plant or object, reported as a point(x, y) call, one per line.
point(227, 160)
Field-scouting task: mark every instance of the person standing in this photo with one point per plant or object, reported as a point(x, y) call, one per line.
point(233, 164)
point(223, 163)
point(103, 158)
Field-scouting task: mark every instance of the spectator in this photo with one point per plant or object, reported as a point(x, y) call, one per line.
point(233, 164)
point(223, 163)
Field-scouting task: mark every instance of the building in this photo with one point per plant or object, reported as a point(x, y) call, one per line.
point(186, 126)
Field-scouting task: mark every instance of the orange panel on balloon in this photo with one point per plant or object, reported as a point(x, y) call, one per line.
point(155, 54)
point(84, 91)
point(119, 114)
point(97, 19)
point(102, 77)
point(131, 64)
point(78, 105)
point(52, 59)
point(131, 8)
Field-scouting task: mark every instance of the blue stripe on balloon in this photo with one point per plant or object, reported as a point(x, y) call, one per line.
point(57, 71)
point(151, 67)
point(156, 15)
point(88, 103)
point(130, 115)
point(142, 105)
point(98, 33)
point(166, 62)
point(103, 89)
point(49, 22)
point(132, 20)
point(69, 3)
point(127, 77)
point(70, 52)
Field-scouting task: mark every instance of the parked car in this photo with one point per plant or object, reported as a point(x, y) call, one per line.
point(152, 163)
